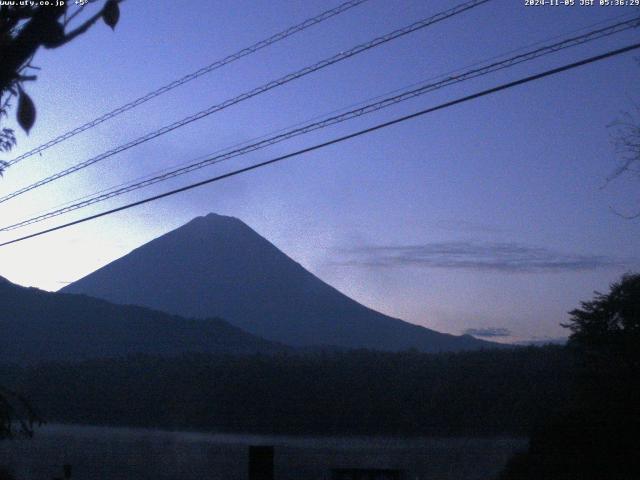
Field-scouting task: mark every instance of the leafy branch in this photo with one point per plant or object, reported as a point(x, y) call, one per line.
point(23, 30)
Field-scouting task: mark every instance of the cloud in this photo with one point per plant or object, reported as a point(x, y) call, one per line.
point(488, 332)
point(477, 256)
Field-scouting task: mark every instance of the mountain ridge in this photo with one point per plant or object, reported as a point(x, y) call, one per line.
point(39, 326)
point(218, 266)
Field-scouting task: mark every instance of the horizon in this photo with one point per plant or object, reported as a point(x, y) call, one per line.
point(491, 335)
point(493, 217)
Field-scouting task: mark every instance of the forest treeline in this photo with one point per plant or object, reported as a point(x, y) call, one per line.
point(488, 392)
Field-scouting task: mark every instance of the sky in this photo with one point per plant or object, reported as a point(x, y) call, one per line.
point(494, 217)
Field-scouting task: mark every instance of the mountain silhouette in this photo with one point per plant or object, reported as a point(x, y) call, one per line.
point(40, 326)
point(218, 266)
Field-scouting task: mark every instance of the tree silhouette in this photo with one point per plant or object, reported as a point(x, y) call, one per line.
point(23, 30)
point(625, 134)
point(606, 330)
point(16, 415)
point(626, 138)
point(596, 436)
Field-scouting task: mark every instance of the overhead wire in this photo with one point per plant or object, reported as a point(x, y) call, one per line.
point(331, 120)
point(337, 140)
point(335, 111)
point(192, 76)
point(256, 91)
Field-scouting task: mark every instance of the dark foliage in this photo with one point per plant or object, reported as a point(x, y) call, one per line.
point(605, 332)
point(359, 392)
point(596, 435)
point(24, 28)
point(17, 416)
point(6, 474)
point(625, 135)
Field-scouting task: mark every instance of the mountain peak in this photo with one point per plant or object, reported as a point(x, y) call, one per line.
point(217, 218)
point(213, 221)
point(218, 266)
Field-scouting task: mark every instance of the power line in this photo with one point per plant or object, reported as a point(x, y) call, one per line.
point(257, 91)
point(379, 126)
point(332, 120)
point(343, 109)
point(351, 106)
point(193, 75)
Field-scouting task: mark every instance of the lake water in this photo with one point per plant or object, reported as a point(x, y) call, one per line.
point(140, 454)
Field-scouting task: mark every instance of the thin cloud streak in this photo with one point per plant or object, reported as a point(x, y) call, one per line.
point(489, 332)
point(476, 256)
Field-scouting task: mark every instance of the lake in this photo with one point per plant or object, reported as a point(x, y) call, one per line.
point(141, 454)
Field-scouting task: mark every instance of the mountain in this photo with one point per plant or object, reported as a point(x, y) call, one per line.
point(41, 326)
point(219, 266)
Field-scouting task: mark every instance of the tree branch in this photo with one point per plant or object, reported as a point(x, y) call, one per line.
point(84, 27)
